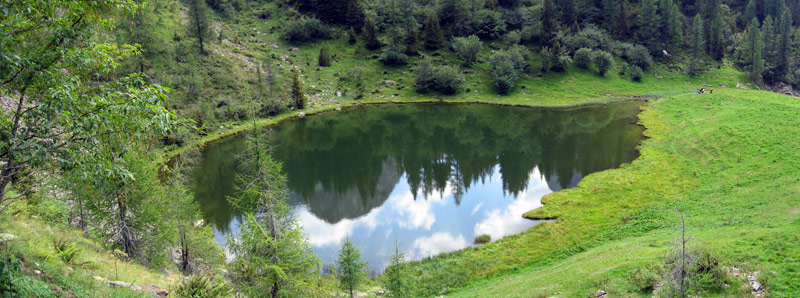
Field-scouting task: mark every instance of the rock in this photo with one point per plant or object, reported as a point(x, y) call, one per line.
point(100, 279)
point(301, 115)
point(666, 53)
point(388, 82)
point(756, 286)
point(600, 293)
point(155, 291)
point(338, 108)
point(360, 295)
point(116, 283)
point(294, 50)
point(444, 290)
point(274, 45)
point(37, 273)
point(339, 93)
point(5, 237)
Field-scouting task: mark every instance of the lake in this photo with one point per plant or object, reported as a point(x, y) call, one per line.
point(430, 177)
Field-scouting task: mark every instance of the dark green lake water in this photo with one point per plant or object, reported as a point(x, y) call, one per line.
point(432, 176)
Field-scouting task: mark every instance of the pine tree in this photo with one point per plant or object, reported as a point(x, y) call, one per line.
point(350, 267)
point(569, 14)
point(298, 97)
point(671, 32)
point(623, 20)
point(649, 24)
point(750, 11)
point(412, 40)
point(784, 43)
point(754, 46)
point(610, 12)
point(697, 44)
point(324, 58)
point(199, 22)
point(273, 256)
point(352, 37)
point(549, 22)
point(371, 34)
point(395, 279)
point(434, 39)
point(139, 28)
point(716, 45)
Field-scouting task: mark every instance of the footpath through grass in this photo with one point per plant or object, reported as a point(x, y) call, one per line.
point(729, 159)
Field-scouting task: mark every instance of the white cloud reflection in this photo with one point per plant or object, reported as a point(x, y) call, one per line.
point(507, 221)
point(436, 244)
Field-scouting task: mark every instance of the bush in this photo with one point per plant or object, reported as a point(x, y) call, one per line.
point(589, 37)
point(643, 280)
point(324, 58)
point(513, 37)
point(272, 107)
point(636, 73)
point(639, 55)
point(352, 38)
point(467, 48)
point(483, 239)
point(202, 286)
point(66, 251)
point(488, 24)
point(583, 57)
point(308, 30)
point(561, 63)
point(504, 76)
point(394, 56)
point(603, 60)
point(448, 80)
point(423, 75)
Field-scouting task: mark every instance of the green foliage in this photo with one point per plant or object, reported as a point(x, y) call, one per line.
point(67, 251)
point(636, 73)
point(589, 37)
point(394, 56)
point(547, 57)
point(643, 280)
point(370, 31)
point(483, 239)
point(306, 30)
point(350, 267)
point(199, 22)
point(299, 100)
point(467, 49)
point(423, 75)
point(324, 58)
point(603, 61)
point(754, 46)
point(639, 55)
point(395, 278)
point(434, 39)
point(202, 286)
point(489, 24)
point(506, 67)
point(583, 57)
point(273, 254)
point(352, 37)
point(448, 80)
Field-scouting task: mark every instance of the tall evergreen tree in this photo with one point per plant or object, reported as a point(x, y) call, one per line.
point(371, 34)
point(623, 20)
point(697, 44)
point(784, 43)
point(299, 99)
point(350, 267)
point(671, 26)
point(750, 11)
point(395, 276)
point(649, 25)
point(200, 22)
point(549, 22)
point(610, 12)
point(434, 39)
point(754, 47)
point(716, 43)
point(569, 14)
point(139, 28)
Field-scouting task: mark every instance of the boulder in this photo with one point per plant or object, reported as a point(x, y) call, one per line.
point(600, 293)
point(301, 115)
point(294, 50)
point(5, 237)
point(154, 290)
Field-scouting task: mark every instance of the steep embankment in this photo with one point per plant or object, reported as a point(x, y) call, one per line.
point(729, 159)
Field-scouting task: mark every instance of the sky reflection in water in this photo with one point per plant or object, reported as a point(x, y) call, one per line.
point(475, 170)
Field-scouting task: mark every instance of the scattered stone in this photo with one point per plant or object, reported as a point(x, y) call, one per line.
point(338, 108)
point(360, 295)
point(37, 273)
point(444, 290)
point(295, 50)
point(381, 293)
point(339, 93)
point(155, 291)
point(388, 82)
point(666, 53)
point(274, 45)
point(301, 115)
point(600, 293)
point(100, 279)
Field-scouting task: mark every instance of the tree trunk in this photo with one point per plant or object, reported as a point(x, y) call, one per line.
point(275, 289)
point(185, 265)
point(124, 230)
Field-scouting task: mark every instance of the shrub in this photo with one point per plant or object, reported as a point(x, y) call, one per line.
point(643, 280)
point(202, 286)
point(513, 37)
point(603, 60)
point(271, 108)
point(482, 239)
point(324, 58)
point(394, 56)
point(308, 30)
point(561, 62)
point(504, 76)
point(423, 75)
point(66, 251)
point(583, 57)
point(488, 23)
point(448, 80)
point(589, 37)
point(636, 73)
point(467, 48)
point(639, 55)
point(352, 38)
point(547, 58)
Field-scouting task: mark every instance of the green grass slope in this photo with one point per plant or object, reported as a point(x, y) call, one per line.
point(730, 159)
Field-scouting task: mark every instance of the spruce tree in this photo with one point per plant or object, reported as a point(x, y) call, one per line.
point(350, 267)
point(784, 43)
point(395, 276)
point(649, 24)
point(569, 14)
point(434, 38)
point(754, 46)
point(352, 38)
point(697, 44)
point(549, 22)
point(371, 34)
point(298, 97)
point(199, 22)
point(610, 11)
point(716, 45)
point(324, 58)
point(623, 20)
